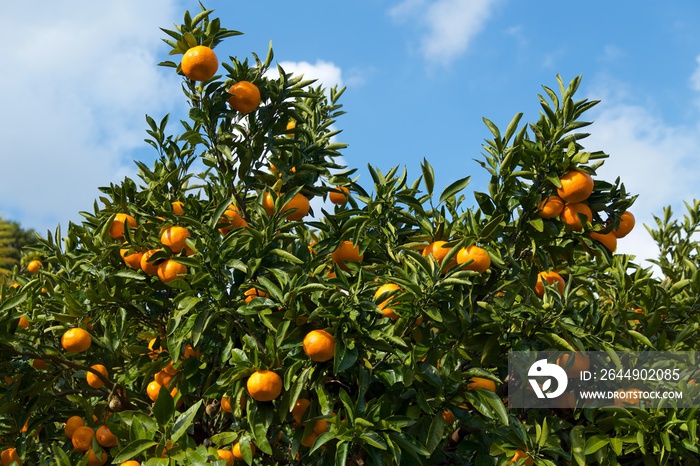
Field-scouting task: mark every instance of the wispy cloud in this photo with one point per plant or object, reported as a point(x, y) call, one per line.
point(84, 76)
point(447, 26)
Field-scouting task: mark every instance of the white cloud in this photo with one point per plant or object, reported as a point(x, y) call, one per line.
point(326, 73)
point(448, 25)
point(653, 158)
point(84, 76)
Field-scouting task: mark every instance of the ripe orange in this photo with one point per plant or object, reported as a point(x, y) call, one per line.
point(626, 225)
point(130, 463)
point(132, 259)
point(9, 455)
point(170, 369)
point(163, 378)
point(550, 207)
point(576, 186)
point(321, 426)
point(339, 195)
point(34, 266)
point(171, 270)
point(148, 266)
point(570, 215)
point(448, 415)
point(178, 207)
point(481, 259)
point(245, 97)
point(174, 237)
point(190, 352)
point(264, 385)
point(40, 365)
point(309, 440)
point(226, 404)
point(346, 251)
point(23, 322)
point(481, 382)
point(76, 340)
point(73, 423)
point(236, 450)
point(93, 460)
point(299, 409)
point(82, 438)
point(301, 204)
point(105, 437)
point(116, 229)
point(291, 124)
point(93, 380)
point(153, 352)
point(437, 249)
point(231, 219)
point(580, 362)
point(520, 454)
point(199, 63)
point(225, 455)
point(252, 293)
point(609, 240)
point(551, 278)
point(153, 389)
point(387, 312)
point(319, 345)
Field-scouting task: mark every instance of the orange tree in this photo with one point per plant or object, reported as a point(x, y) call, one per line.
point(205, 315)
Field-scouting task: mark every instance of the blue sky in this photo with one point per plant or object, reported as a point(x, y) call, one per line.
point(80, 76)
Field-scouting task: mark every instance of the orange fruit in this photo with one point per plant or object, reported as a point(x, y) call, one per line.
point(132, 259)
point(9, 455)
point(153, 352)
point(73, 423)
point(576, 186)
point(231, 219)
point(93, 380)
point(609, 240)
point(148, 266)
point(301, 204)
point(82, 438)
point(481, 261)
point(171, 270)
point(481, 382)
point(291, 124)
point(580, 362)
point(339, 195)
point(321, 426)
point(153, 389)
point(174, 237)
point(226, 404)
point(236, 450)
point(299, 409)
point(116, 229)
point(76, 340)
point(387, 312)
point(105, 437)
point(309, 440)
point(550, 207)
point(178, 207)
point(520, 454)
point(264, 385)
point(170, 369)
point(199, 63)
point(34, 266)
point(252, 293)
point(626, 225)
point(39, 364)
point(23, 322)
point(93, 460)
point(437, 249)
point(448, 415)
point(319, 345)
point(130, 463)
point(190, 352)
point(346, 251)
point(225, 455)
point(163, 378)
point(570, 215)
point(551, 278)
point(245, 97)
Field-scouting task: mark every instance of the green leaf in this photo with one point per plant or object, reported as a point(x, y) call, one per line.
point(374, 439)
point(183, 421)
point(435, 432)
point(341, 453)
point(577, 440)
point(164, 407)
point(428, 176)
point(60, 457)
point(491, 226)
point(291, 258)
point(345, 357)
point(454, 188)
point(595, 443)
point(641, 338)
point(133, 449)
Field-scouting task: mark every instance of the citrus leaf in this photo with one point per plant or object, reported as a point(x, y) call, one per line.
point(134, 449)
point(183, 421)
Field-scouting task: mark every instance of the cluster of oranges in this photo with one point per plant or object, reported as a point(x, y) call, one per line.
point(172, 237)
point(570, 206)
point(81, 436)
